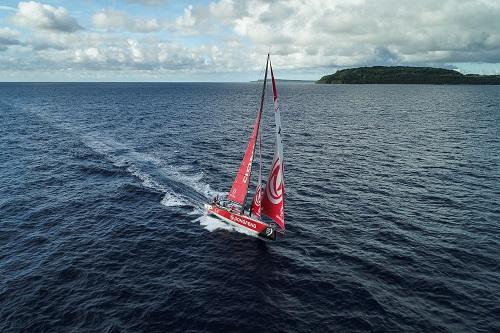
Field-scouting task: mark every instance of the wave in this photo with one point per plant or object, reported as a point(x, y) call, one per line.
point(212, 224)
point(179, 187)
point(171, 200)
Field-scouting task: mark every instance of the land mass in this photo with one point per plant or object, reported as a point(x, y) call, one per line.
point(405, 75)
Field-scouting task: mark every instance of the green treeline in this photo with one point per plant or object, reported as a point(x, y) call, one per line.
point(405, 75)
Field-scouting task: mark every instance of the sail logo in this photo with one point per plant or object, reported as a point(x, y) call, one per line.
point(274, 188)
point(258, 196)
point(247, 171)
point(244, 222)
point(257, 201)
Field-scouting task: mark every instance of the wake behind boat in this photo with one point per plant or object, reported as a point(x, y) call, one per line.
point(271, 201)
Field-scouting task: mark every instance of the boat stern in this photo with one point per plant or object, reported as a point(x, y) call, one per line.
point(268, 233)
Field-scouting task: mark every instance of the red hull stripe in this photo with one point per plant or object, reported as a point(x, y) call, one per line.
point(235, 218)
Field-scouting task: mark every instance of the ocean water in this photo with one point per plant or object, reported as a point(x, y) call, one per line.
point(392, 209)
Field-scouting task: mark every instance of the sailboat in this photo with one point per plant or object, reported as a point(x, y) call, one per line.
point(269, 202)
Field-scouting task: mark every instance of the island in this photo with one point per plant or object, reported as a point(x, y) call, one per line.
point(405, 75)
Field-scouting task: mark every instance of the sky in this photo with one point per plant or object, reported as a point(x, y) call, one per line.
point(227, 40)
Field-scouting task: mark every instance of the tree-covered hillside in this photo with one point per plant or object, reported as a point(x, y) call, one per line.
point(405, 75)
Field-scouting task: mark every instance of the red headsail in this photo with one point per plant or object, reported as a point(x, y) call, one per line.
point(273, 201)
point(240, 185)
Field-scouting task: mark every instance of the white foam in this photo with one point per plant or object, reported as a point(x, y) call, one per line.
point(146, 158)
point(171, 200)
point(212, 223)
point(108, 148)
point(122, 156)
point(193, 181)
point(147, 181)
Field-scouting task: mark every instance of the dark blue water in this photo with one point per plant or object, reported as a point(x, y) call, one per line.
point(393, 210)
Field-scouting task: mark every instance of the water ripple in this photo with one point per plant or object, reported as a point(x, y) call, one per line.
point(392, 210)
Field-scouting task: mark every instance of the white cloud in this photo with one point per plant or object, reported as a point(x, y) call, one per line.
point(234, 36)
point(149, 55)
point(119, 20)
point(90, 54)
point(207, 20)
point(42, 16)
point(340, 33)
point(223, 10)
point(187, 20)
point(8, 37)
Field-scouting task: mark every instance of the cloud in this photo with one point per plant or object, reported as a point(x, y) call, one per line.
point(45, 40)
point(384, 56)
point(320, 33)
point(119, 20)
point(216, 17)
point(234, 36)
point(37, 15)
point(8, 37)
point(187, 20)
point(110, 52)
point(91, 54)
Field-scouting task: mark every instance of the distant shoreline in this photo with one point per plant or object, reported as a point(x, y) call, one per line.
point(406, 75)
point(287, 81)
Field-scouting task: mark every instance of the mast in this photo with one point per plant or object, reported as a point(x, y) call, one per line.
point(239, 190)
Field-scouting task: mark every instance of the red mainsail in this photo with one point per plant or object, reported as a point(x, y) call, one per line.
point(239, 189)
point(273, 200)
